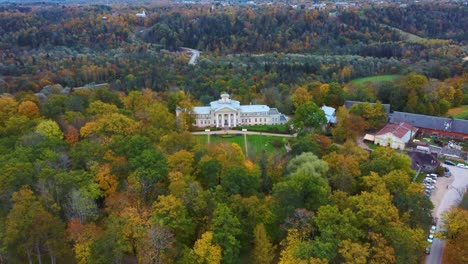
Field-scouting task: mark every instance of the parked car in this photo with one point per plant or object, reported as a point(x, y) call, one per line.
point(428, 250)
point(461, 165)
point(448, 173)
point(430, 180)
point(433, 229)
point(430, 238)
point(449, 162)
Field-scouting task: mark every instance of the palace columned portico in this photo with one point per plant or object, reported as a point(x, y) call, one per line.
point(225, 120)
point(227, 113)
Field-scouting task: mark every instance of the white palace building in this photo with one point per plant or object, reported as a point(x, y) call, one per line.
point(226, 112)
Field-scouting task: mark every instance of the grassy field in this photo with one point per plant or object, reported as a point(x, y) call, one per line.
point(459, 112)
point(375, 79)
point(255, 143)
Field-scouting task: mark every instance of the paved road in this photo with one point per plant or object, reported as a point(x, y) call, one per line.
point(443, 200)
point(224, 132)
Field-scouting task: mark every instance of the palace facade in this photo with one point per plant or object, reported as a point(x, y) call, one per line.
point(226, 112)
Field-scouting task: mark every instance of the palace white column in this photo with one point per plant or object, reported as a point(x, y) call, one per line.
point(229, 120)
point(235, 119)
point(222, 120)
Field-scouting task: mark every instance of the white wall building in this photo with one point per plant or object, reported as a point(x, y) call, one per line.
point(395, 135)
point(226, 112)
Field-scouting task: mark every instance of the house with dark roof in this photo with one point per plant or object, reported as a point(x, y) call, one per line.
point(348, 105)
point(395, 135)
point(434, 125)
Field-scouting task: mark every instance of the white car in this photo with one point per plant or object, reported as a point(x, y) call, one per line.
point(430, 239)
point(430, 187)
point(461, 165)
point(430, 180)
point(433, 229)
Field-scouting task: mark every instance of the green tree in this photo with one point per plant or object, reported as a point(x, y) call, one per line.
point(384, 160)
point(309, 116)
point(302, 189)
point(226, 228)
point(171, 212)
point(237, 180)
point(335, 95)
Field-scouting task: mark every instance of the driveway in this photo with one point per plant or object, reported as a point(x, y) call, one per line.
point(448, 193)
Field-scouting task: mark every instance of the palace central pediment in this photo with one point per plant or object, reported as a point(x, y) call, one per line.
point(225, 109)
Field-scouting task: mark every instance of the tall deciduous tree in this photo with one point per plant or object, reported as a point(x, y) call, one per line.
point(206, 251)
point(49, 128)
point(457, 235)
point(32, 232)
point(263, 251)
point(171, 212)
point(226, 228)
point(309, 116)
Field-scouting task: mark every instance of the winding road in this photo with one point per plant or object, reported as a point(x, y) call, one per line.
point(448, 194)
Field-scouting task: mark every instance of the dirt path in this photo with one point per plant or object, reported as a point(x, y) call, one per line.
point(360, 143)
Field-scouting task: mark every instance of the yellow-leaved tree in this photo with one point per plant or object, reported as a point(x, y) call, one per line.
point(206, 251)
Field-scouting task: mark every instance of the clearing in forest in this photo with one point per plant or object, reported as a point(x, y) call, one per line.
point(460, 112)
point(375, 79)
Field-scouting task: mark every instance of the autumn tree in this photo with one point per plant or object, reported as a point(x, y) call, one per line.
point(263, 251)
point(206, 251)
point(300, 97)
point(457, 235)
point(29, 109)
point(170, 211)
point(348, 126)
point(32, 232)
point(49, 128)
point(343, 172)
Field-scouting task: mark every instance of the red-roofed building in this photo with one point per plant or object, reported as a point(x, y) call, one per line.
point(395, 135)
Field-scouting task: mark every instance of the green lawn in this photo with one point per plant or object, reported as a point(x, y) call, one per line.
point(459, 112)
point(256, 143)
point(375, 79)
